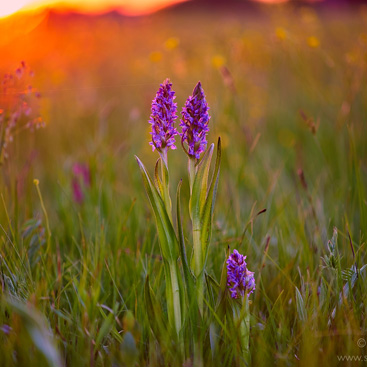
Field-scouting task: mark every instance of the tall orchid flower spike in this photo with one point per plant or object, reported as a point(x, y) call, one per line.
point(162, 119)
point(163, 133)
point(203, 189)
point(184, 282)
point(194, 123)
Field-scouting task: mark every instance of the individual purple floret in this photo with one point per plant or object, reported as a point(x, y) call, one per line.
point(6, 329)
point(239, 278)
point(163, 118)
point(194, 122)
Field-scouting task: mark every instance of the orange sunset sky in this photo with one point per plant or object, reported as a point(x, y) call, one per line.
point(133, 7)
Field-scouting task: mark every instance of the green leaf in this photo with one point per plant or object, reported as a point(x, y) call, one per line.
point(324, 299)
point(301, 310)
point(38, 331)
point(105, 328)
point(157, 180)
point(165, 186)
point(165, 174)
point(166, 233)
point(155, 313)
point(200, 186)
point(207, 214)
point(244, 330)
point(129, 350)
point(348, 287)
point(189, 278)
point(212, 281)
point(223, 277)
point(174, 292)
point(168, 244)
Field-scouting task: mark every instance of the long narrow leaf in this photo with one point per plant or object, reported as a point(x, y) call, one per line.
point(185, 265)
point(157, 180)
point(166, 233)
point(223, 280)
point(199, 190)
point(155, 313)
point(38, 331)
point(207, 214)
point(301, 309)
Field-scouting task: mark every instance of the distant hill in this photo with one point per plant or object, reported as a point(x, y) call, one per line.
point(249, 6)
point(214, 5)
point(237, 7)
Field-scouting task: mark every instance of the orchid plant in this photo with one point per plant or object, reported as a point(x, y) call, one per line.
point(186, 282)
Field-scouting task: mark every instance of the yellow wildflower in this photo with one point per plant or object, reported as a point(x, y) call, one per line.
point(155, 56)
point(172, 43)
point(313, 42)
point(281, 33)
point(218, 61)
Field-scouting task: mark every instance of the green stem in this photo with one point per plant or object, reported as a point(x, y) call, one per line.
point(192, 172)
point(198, 353)
point(174, 292)
point(242, 316)
point(198, 270)
point(48, 231)
point(176, 297)
point(165, 183)
point(198, 256)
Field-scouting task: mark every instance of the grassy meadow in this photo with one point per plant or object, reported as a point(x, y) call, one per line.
point(287, 91)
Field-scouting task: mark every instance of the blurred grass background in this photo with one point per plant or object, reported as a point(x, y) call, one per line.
point(287, 94)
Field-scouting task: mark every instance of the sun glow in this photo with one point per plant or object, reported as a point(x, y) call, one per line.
point(131, 7)
point(9, 7)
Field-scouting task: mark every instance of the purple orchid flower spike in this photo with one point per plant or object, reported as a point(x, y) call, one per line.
point(163, 117)
point(194, 123)
point(239, 278)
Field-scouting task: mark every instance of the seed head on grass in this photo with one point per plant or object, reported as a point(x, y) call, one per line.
point(163, 118)
point(239, 278)
point(19, 106)
point(194, 122)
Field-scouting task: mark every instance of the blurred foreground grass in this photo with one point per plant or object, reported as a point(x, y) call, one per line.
point(287, 92)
